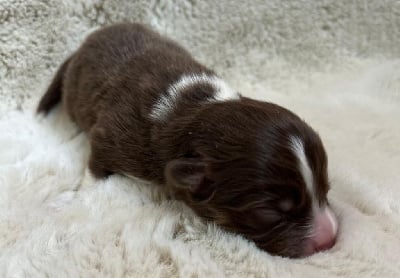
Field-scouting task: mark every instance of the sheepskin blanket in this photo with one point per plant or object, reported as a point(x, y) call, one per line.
point(332, 62)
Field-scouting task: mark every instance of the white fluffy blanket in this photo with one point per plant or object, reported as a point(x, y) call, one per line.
point(332, 62)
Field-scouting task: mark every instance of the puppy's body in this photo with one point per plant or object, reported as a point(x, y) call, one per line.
point(154, 112)
point(110, 87)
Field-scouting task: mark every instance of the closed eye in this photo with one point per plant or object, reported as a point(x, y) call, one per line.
point(267, 215)
point(285, 205)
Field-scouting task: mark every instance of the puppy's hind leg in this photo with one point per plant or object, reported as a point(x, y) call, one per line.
point(96, 165)
point(100, 153)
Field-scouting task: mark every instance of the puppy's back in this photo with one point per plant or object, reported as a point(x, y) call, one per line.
point(124, 64)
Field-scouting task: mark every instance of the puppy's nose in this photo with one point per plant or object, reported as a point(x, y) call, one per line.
point(324, 232)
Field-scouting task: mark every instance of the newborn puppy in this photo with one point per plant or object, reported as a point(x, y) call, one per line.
point(154, 112)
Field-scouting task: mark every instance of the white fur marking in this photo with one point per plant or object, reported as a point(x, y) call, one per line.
point(224, 92)
point(298, 149)
point(167, 101)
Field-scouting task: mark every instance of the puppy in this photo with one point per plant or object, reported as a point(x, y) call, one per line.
point(152, 111)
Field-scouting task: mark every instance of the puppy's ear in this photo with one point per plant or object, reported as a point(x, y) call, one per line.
point(189, 174)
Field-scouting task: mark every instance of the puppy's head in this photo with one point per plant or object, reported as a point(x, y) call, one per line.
point(258, 170)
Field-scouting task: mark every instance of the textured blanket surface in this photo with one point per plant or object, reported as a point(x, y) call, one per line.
point(335, 63)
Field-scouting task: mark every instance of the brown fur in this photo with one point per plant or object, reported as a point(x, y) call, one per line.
point(231, 161)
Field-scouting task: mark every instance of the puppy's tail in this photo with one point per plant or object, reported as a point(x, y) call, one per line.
point(54, 91)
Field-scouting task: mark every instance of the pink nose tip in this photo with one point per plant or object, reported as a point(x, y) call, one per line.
point(324, 231)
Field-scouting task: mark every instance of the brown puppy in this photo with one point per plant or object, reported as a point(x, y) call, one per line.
point(154, 112)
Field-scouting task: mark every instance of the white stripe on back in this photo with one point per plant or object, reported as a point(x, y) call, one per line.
point(167, 102)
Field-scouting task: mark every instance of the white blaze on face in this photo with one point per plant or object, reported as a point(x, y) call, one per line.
point(167, 102)
point(324, 223)
point(305, 170)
